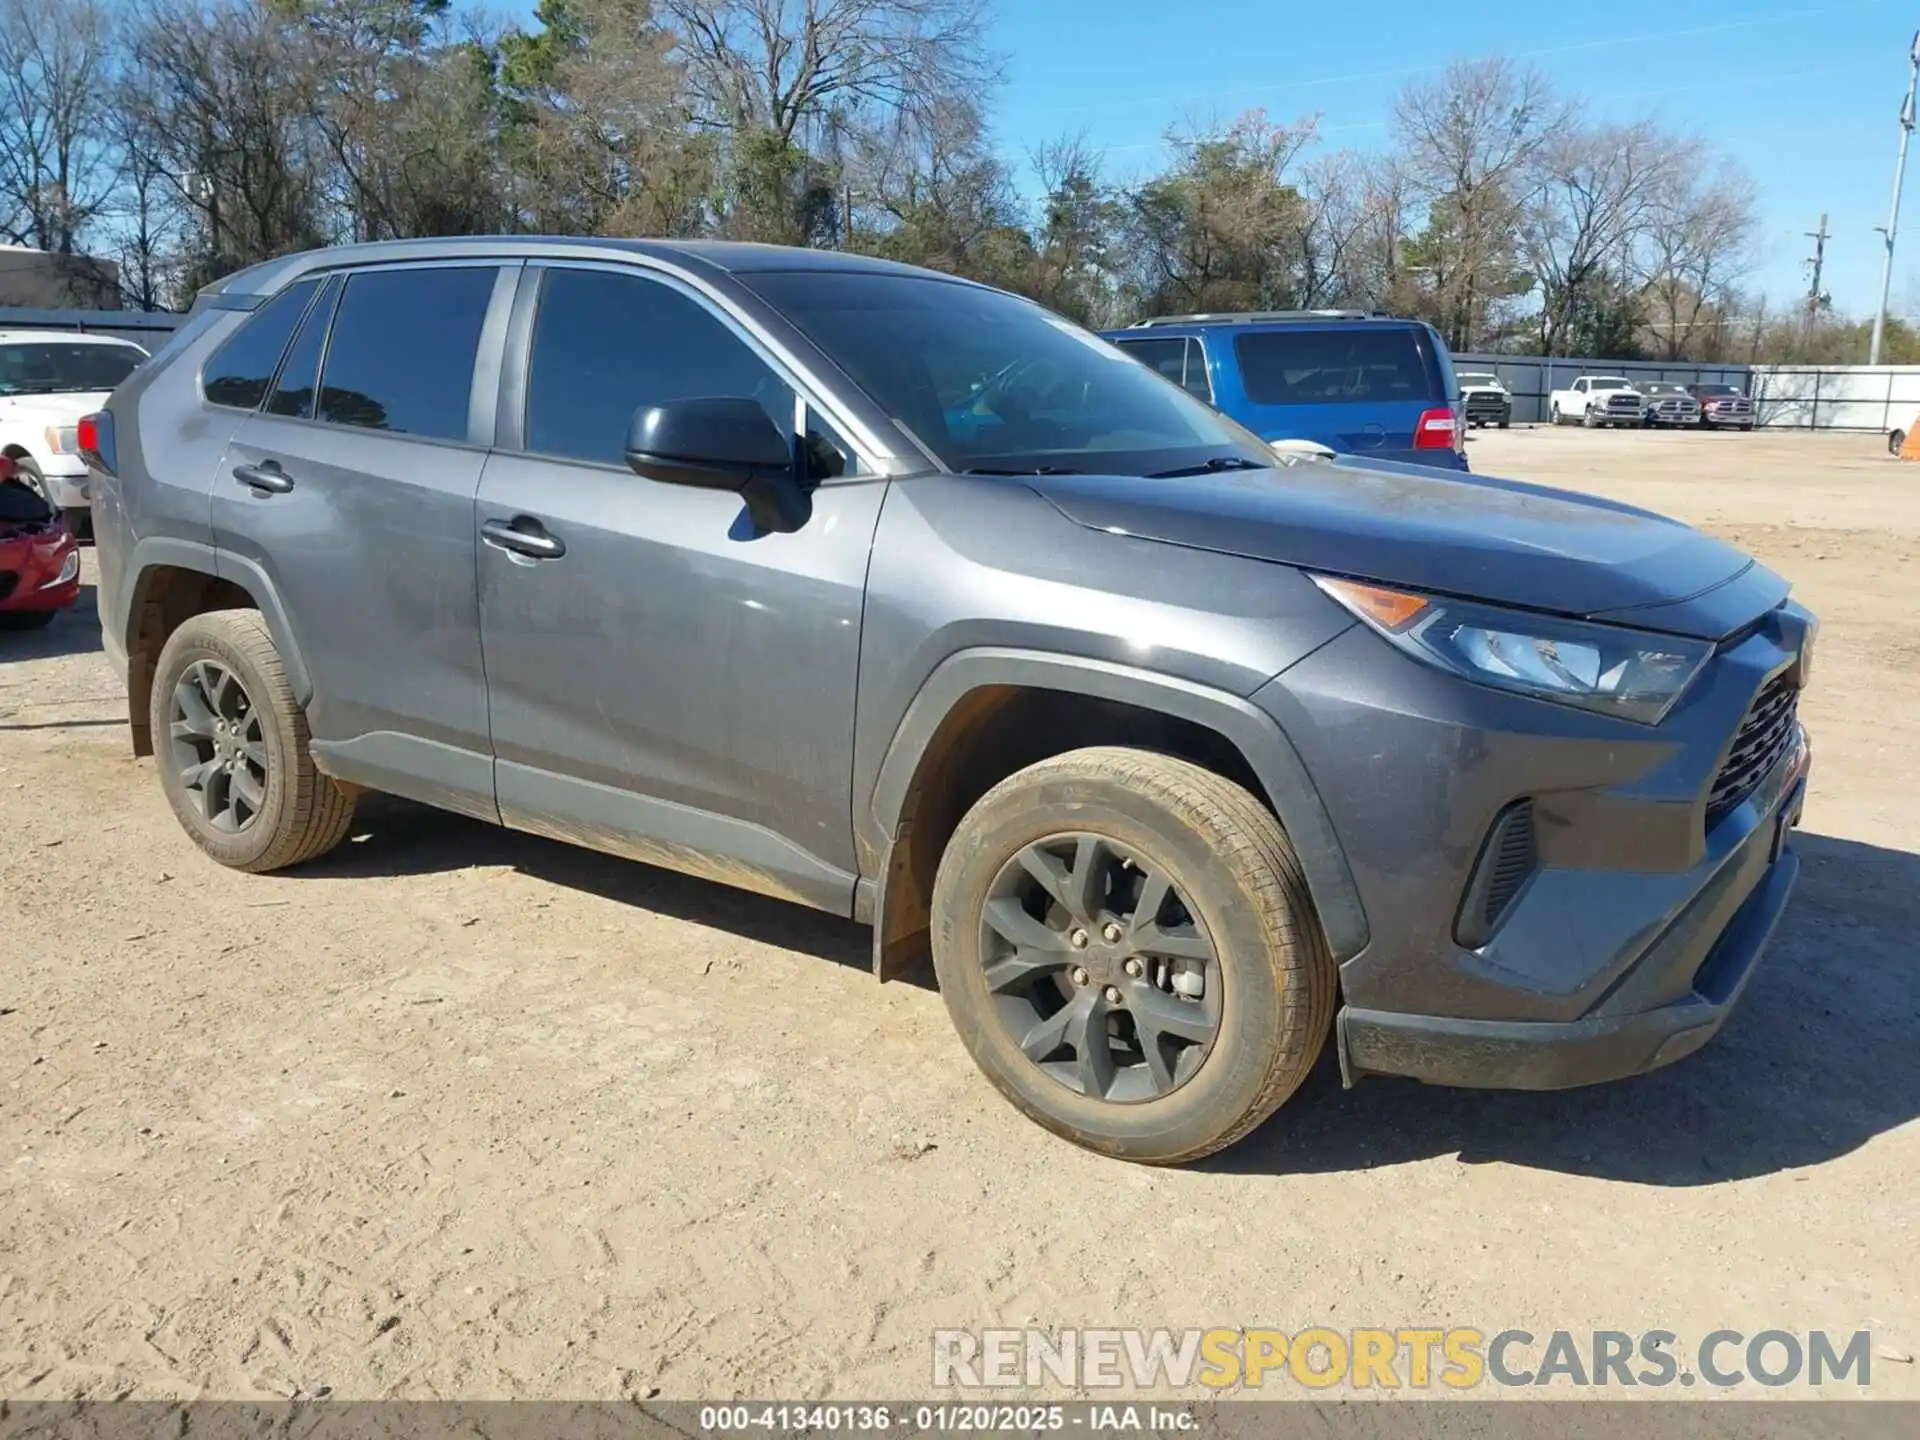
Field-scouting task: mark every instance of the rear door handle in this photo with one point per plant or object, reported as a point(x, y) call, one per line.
point(266, 476)
point(523, 535)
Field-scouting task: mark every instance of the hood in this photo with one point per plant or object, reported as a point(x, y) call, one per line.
point(1453, 534)
point(62, 409)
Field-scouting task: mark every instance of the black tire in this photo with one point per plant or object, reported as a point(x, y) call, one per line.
point(1232, 872)
point(1504, 424)
point(27, 473)
point(26, 619)
point(1553, 415)
point(301, 813)
point(1895, 441)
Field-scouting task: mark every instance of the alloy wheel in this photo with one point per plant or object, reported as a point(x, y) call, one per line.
point(1099, 969)
point(219, 747)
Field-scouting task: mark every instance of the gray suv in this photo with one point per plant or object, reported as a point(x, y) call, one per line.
point(900, 597)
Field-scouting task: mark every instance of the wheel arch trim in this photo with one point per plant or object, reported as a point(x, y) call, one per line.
point(1256, 734)
point(157, 551)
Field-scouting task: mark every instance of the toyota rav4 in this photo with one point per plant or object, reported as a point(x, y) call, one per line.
point(901, 597)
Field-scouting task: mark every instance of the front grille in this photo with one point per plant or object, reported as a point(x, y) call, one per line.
point(8, 579)
point(1763, 738)
point(1508, 858)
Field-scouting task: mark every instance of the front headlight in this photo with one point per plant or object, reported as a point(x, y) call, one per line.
point(63, 439)
point(1604, 668)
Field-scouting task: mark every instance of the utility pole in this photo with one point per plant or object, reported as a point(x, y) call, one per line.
point(1892, 226)
point(1818, 261)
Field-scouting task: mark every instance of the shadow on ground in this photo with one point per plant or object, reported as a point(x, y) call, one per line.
point(72, 632)
point(396, 837)
point(1817, 1059)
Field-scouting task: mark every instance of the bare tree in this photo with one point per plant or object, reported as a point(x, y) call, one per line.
point(1469, 140)
point(778, 66)
point(608, 150)
point(227, 130)
point(1698, 246)
point(146, 224)
point(1596, 191)
point(56, 73)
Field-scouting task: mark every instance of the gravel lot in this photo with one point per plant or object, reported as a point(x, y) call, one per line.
point(457, 1112)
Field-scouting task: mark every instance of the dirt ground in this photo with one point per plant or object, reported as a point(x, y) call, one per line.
point(458, 1112)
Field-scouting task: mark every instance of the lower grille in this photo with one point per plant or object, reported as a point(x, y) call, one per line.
point(1507, 860)
point(1762, 739)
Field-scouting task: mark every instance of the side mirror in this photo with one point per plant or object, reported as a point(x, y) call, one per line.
point(717, 444)
point(721, 444)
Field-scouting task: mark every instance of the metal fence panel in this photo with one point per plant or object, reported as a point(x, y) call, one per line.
point(1802, 397)
point(143, 327)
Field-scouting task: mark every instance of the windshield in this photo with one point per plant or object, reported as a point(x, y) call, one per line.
point(1611, 382)
point(1475, 377)
point(1715, 390)
point(62, 367)
point(990, 382)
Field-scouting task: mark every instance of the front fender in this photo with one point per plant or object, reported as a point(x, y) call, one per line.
point(1256, 735)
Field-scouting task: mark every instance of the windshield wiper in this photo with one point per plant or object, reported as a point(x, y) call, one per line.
point(1214, 466)
point(1025, 470)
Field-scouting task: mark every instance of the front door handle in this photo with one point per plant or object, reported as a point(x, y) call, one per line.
point(523, 535)
point(266, 477)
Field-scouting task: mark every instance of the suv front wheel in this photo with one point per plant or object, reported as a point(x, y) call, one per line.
point(231, 746)
point(1126, 945)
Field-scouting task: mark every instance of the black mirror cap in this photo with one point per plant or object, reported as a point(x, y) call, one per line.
point(717, 443)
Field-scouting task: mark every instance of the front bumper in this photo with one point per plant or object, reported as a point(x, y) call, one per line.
point(40, 571)
point(1676, 417)
point(1707, 955)
point(1640, 911)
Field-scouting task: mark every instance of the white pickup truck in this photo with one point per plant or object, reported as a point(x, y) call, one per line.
point(1595, 400)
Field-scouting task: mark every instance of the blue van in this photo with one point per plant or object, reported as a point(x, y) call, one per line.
point(1373, 386)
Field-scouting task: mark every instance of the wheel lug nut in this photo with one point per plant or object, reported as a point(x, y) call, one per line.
point(1132, 967)
point(1112, 933)
point(1079, 976)
point(1078, 939)
point(1113, 994)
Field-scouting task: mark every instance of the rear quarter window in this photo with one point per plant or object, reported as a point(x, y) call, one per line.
point(1332, 367)
point(242, 368)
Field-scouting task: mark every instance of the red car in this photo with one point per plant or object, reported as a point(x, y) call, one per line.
point(39, 558)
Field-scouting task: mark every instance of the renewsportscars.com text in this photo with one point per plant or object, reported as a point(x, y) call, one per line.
point(1368, 1358)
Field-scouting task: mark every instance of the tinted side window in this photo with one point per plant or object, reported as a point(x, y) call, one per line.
point(1332, 367)
point(1169, 357)
point(402, 350)
point(605, 344)
point(240, 370)
point(293, 391)
point(1181, 360)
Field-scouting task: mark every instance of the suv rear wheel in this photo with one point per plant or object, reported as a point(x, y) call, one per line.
point(231, 746)
point(1126, 945)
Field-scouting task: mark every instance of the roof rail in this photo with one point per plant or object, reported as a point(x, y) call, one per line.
point(1247, 317)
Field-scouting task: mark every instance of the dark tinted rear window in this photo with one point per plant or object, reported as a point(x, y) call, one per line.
point(1332, 367)
point(240, 370)
point(293, 391)
point(401, 353)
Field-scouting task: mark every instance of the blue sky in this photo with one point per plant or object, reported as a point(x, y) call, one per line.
point(1805, 95)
